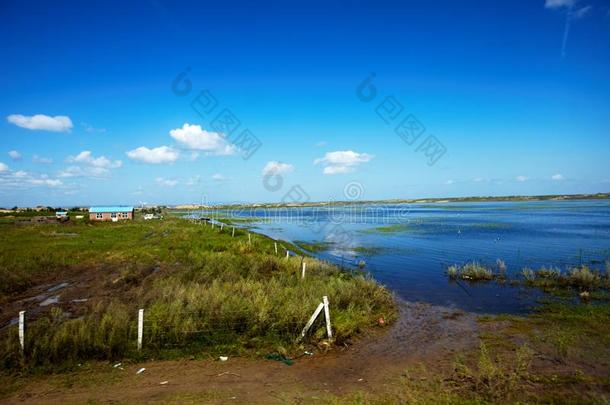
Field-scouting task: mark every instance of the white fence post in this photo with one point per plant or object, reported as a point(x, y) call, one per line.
point(287, 253)
point(22, 330)
point(212, 225)
point(233, 233)
point(303, 271)
point(312, 319)
point(140, 328)
point(249, 238)
point(329, 331)
point(222, 225)
point(275, 247)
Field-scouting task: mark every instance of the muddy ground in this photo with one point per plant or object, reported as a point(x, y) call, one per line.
point(424, 337)
point(424, 334)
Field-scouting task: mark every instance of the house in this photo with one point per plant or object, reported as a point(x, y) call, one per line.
point(61, 214)
point(113, 213)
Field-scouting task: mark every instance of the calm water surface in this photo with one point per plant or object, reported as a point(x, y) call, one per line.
point(408, 246)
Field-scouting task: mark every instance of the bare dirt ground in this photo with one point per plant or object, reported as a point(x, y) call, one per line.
point(424, 334)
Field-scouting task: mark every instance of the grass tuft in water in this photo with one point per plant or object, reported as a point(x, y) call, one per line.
point(471, 271)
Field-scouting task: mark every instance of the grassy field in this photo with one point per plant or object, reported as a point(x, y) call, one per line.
point(204, 292)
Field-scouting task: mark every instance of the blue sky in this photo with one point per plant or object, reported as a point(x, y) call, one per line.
point(497, 98)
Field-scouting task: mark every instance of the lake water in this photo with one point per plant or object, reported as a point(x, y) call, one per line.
point(407, 247)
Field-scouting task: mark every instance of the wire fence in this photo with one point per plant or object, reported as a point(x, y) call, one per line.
point(150, 332)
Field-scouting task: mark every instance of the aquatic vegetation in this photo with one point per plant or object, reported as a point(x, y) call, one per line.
point(314, 246)
point(369, 250)
point(395, 228)
point(491, 225)
point(550, 272)
point(471, 271)
point(583, 277)
point(501, 265)
point(528, 274)
point(475, 271)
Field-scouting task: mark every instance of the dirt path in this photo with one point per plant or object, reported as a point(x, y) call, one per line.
point(424, 334)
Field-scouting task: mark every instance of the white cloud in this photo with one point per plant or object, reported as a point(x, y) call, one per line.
point(42, 160)
point(218, 177)
point(87, 165)
point(59, 123)
point(449, 182)
point(521, 178)
point(196, 138)
point(91, 129)
point(162, 154)
point(166, 182)
point(72, 171)
point(15, 155)
point(273, 167)
point(342, 161)
point(557, 177)
point(23, 180)
point(193, 181)
point(47, 182)
point(86, 157)
point(558, 3)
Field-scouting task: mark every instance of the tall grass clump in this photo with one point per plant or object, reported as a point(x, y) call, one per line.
point(471, 271)
point(580, 277)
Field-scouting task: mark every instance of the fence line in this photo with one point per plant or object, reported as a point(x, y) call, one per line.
point(215, 325)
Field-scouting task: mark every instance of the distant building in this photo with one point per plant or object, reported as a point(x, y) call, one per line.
point(61, 214)
point(114, 214)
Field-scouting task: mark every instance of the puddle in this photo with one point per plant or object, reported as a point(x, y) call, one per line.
point(58, 287)
point(50, 301)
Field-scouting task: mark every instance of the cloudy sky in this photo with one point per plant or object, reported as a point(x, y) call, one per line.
point(158, 102)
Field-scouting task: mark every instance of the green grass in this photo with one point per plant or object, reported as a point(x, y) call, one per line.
point(213, 293)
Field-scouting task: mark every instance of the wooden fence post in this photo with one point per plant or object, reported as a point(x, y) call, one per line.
point(275, 243)
point(233, 233)
point(249, 238)
point(303, 270)
point(312, 319)
point(329, 331)
point(22, 330)
point(140, 328)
